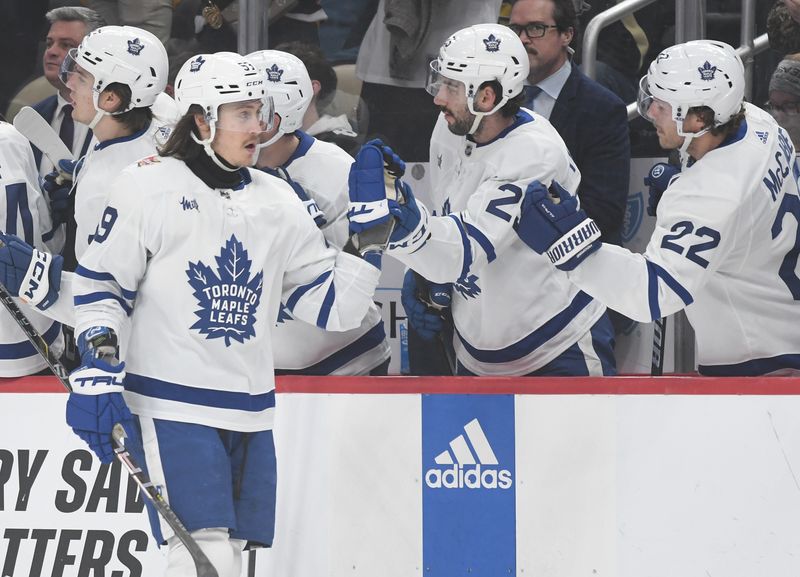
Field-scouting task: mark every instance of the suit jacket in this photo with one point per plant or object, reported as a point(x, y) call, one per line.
point(593, 122)
point(46, 109)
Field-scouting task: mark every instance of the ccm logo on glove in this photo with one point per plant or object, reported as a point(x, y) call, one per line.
point(32, 283)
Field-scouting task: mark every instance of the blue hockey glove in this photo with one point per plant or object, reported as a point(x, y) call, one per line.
point(368, 204)
point(95, 405)
point(310, 204)
point(393, 163)
point(658, 179)
point(57, 186)
point(405, 211)
point(28, 273)
point(553, 223)
point(424, 303)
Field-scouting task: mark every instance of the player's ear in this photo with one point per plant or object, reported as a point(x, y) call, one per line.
point(486, 98)
point(202, 126)
point(316, 87)
point(109, 100)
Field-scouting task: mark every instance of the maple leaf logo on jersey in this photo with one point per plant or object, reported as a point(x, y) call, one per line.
point(468, 286)
point(196, 64)
point(492, 43)
point(228, 298)
point(707, 71)
point(135, 46)
point(274, 73)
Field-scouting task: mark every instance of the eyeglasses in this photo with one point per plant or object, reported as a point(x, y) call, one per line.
point(532, 29)
point(785, 108)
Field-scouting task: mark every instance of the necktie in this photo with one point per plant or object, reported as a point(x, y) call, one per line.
point(530, 92)
point(67, 130)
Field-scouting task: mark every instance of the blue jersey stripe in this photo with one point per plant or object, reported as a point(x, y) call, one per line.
point(467, 262)
point(157, 389)
point(25, 349)
point(302, 290)
point(325, 309)
point(485, 243)
point(753, 367)
point(535, 339)
point(655, 272)
point(366, 342)
point(105, 277)
point(101, 296)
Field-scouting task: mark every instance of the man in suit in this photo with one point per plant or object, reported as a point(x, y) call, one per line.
point(68, 26)
point(591, 119)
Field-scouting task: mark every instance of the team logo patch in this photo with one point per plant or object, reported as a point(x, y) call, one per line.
point(762, 136)
point(164, 132)
point(492, 43)
point(228, 297)
point(135, 47)
point(189, 204)
point(274, 73)
point(196, 64)
point(707, 71)
point(634, 212)
point(468, 286)
point(149, 160)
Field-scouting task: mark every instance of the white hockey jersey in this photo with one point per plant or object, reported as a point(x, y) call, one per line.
point(725, 247)
point(202, 273)
point(322, 170)
point(24, 213)
point(513, 312)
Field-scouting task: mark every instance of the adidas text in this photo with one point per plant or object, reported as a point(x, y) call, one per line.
point(473, 477)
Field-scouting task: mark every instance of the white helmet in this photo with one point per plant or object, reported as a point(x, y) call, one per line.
point(124, 55)
point(697, 73)
point(211, 80)
point(289, 85)
point(479, 54)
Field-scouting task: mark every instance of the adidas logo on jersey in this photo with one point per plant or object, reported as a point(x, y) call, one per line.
point(762, 136)
point(470, 470)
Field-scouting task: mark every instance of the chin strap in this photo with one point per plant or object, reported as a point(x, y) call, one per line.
point(206, 144)
point(479, 115)
point(683, 151)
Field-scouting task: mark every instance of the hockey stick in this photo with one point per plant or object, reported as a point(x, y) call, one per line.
point(659, 339)
point(202, 565)
point(36, 129)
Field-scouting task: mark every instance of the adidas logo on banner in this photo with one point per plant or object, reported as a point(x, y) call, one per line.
point(475, 468)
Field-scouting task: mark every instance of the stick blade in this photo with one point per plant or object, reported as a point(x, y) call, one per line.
point(36, 129)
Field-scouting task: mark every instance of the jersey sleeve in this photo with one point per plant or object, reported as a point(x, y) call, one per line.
point(323, 286)
point(462, 241)
point(110, 270)
point(690, 240)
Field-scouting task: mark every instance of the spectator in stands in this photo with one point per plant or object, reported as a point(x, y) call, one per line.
point(784, 96)
point(152, 15)
point(68, 26)
point(316, 122)
point(592, 120)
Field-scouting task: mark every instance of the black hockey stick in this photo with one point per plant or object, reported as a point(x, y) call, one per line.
point(202, 565)
point(659, 339)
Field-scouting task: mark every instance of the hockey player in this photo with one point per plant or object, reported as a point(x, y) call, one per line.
point(513, 314)
point(726, 241)
point(318, 173)
point(199, 251)
point(113, 95)
point(26, 220)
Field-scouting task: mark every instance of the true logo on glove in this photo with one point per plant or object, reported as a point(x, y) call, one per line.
point(575, 240)
point(97, 381)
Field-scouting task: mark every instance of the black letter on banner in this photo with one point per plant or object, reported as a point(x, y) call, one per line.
point(63, 558)
point(6, 465)
point(41, 536)
point(14, 536)
point(96, 565)
point(134, 501)
point(84, 458)
point(394, 318)
point(124, 551)
point(100, 491)
point(27, 475)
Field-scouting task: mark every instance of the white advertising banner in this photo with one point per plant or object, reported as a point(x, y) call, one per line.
point(438, 478)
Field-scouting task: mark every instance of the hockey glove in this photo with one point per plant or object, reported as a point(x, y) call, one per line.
point(661, 175)
point(95, 404)
point(553, 223)
point(424, 303)
point(393, 163)
point(368, 204)
point(57, 186)
point(310, 204)
point(28, 273)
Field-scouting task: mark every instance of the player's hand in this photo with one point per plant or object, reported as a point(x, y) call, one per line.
point(552, 223)
point(424, 303)
point(96, 404)
point(310, 204)
point(661, 175)
point(28, 273)
point(369, 207)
